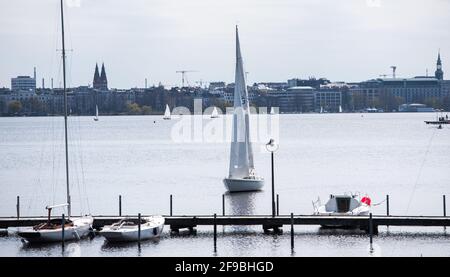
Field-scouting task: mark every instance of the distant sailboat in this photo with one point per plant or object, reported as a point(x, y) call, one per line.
point(340, 108)
point(96, 113)
point(272, 110)
point(242, 175)
point(167, 113)
point(321, 109)
point(215, 113)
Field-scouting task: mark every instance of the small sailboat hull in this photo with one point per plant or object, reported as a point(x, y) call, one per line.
point(239, 185)
point(149, 230)
point(81, 228)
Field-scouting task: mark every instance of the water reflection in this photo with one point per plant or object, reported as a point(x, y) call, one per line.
point(71, 249)
point(241, 203)
point(128, 247)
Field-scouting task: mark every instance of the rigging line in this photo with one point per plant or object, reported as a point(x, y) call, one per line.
point(379, 203)
point(83, 180)
point(394, 248)
point(420, 170)
point(38, 188)
point(75, 159)
point(55, 40)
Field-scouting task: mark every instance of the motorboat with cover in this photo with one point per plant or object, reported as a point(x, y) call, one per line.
point(343, 205)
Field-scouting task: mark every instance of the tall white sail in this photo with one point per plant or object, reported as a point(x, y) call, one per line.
point(241, 154)
point(167, 112)
point(96, 113)
point(215, 113)
point(340, 108)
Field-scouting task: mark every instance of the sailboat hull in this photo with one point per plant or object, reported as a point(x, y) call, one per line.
point(152, 229)
point(239, 185)
point(80, 229)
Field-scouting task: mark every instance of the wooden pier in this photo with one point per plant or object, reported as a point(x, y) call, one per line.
point(266, 221)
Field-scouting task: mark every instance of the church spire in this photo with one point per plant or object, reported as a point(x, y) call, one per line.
point(439, 74)
point(103, 74)
point(96, 75)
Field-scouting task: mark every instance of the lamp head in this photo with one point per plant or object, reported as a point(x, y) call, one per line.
point(271, 146)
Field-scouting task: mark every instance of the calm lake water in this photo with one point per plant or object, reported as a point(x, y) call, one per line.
point(319, 154)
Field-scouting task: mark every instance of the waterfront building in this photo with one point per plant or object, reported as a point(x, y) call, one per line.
point(216, 85)
point(23, 83)
point(389, 93)
point(292, 100)
point(406, 90)
point(329, 100)
point(311, 82)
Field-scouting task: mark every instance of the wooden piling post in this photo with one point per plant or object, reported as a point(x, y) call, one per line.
point(139, 229)
point(223, 204)
point(18, 207)
point(215, 232)
point(444, 205)
point(120, 205)
point(445, 208)
point(171, 205)
point(371, 231)
point(63, 225)
point(292, 231)
point(387, 205)
point(278, 204)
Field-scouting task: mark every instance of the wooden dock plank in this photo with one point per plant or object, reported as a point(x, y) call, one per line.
point(192, 221)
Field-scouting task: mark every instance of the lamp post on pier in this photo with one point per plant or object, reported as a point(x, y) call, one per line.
point(272, 147)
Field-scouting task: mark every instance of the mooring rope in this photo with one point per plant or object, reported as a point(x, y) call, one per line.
point(420, 170)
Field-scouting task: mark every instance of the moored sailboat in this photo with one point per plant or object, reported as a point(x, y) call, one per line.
point(215, 113)
point(59, 229)
point(242, 175)
point(127, 229)
point(167, 113)
point(96, 113)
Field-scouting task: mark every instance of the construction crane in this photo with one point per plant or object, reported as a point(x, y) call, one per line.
point(183, 75)
point(393, 71)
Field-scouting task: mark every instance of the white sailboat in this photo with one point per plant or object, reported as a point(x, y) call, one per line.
point(52, 230)
point(340, 108)
point(242, 175)
point(167, 113)
point(127, 229)
point(96, 113)
point(215, 113)
point(321, 109)
point(272, 110)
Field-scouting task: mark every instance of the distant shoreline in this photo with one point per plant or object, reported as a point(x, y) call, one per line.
point(162, 114)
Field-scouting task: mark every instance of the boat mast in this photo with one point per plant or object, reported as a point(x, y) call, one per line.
point(65, 108)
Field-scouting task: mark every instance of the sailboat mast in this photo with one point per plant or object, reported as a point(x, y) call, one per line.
point(65, 108)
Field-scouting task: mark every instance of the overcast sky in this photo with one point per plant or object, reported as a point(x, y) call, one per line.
point(351, 40)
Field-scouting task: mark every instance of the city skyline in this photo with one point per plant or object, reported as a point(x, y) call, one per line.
point(157, 38)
